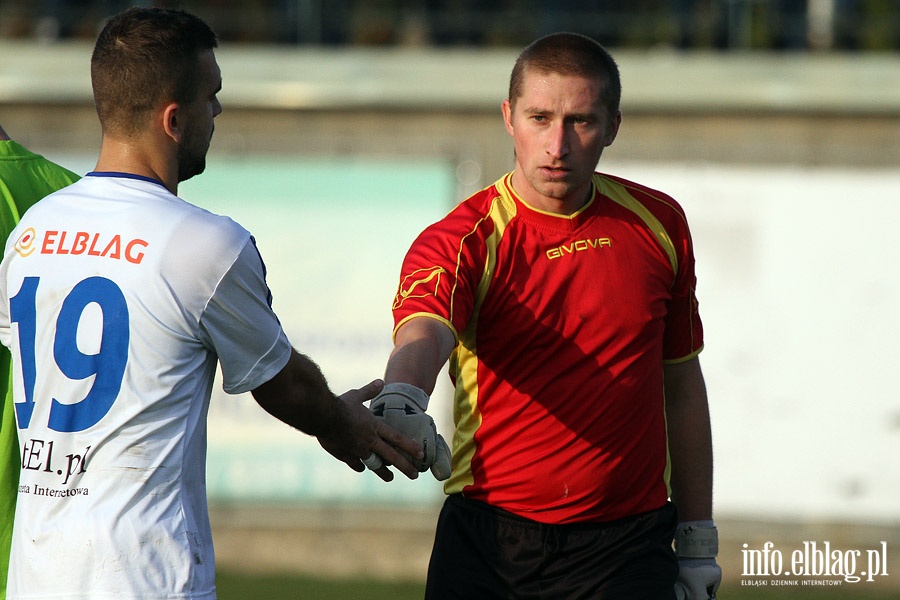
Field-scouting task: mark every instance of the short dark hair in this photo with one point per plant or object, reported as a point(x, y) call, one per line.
point(572, 54)
point(145, 56)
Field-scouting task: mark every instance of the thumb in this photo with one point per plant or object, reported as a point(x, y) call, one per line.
point(441, 467)
point(366, 392)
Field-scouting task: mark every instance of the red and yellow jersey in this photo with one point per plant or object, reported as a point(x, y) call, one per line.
point(563, 326)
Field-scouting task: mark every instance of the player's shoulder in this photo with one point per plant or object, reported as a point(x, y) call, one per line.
point(641, 192)
point(475, 209)
point(203, 231)
point(55, 176)
point(660, 203)
point(465, 222)
point(146, 204)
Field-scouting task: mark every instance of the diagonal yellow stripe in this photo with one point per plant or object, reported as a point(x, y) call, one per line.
point(619, 194)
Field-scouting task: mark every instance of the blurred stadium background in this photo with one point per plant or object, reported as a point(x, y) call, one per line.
point(724, 24)
point(350, 125)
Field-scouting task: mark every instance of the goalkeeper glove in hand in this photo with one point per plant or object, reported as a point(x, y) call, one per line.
point(402, 406)
point(696, 547)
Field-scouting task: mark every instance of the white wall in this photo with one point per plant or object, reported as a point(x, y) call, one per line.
point(799, 289)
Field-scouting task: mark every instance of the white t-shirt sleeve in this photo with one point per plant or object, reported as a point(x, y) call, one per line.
point(241, 327)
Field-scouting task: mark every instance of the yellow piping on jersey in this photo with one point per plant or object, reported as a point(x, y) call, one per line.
point(619, 194)
point(427, 315)
point(464, 360)
point(667, 473)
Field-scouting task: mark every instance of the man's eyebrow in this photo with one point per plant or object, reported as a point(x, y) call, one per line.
point(533, 110)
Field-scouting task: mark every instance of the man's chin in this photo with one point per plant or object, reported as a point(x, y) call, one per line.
point(187, 174)
point(556, 189)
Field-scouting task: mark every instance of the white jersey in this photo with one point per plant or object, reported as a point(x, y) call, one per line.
point(116, 299)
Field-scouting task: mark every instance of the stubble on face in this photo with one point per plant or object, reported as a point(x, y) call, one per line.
point(191, 154)
point(198, 131)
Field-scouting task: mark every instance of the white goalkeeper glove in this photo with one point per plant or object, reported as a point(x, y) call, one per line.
point(696, 546)
point(402, 406)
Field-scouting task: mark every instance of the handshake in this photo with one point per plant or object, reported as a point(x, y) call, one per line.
point(402, 406)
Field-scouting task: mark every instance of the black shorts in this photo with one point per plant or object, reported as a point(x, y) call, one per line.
point(482, 552)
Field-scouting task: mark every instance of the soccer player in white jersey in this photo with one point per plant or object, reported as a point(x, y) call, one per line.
point(117, 300)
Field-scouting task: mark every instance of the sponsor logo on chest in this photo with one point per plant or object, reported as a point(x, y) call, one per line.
point(578, 246)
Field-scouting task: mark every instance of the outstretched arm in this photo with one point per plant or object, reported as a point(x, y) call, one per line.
point(421, 347)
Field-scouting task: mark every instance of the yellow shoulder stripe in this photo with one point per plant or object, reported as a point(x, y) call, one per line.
point(619, 194)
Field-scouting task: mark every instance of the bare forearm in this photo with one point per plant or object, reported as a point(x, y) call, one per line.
point(299, 396)
point(421, 348)
point(690, 441)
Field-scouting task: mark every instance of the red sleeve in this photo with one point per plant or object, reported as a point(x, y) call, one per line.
point(442, 269)
point(683, 337)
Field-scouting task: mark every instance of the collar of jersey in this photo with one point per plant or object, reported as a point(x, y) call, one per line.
point(552, 219)
point(124, 176)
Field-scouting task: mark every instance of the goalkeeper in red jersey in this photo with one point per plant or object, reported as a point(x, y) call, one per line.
point(564, 300)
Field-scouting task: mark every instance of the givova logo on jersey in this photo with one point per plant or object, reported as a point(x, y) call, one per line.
point(579, 246)
point(81, 243)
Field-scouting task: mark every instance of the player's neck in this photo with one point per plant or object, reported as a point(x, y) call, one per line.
point(127, 156)
point(567, 205)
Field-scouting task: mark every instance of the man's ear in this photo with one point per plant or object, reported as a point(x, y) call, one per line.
point(171, 122)
point(506, 109)
point(614, 130)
